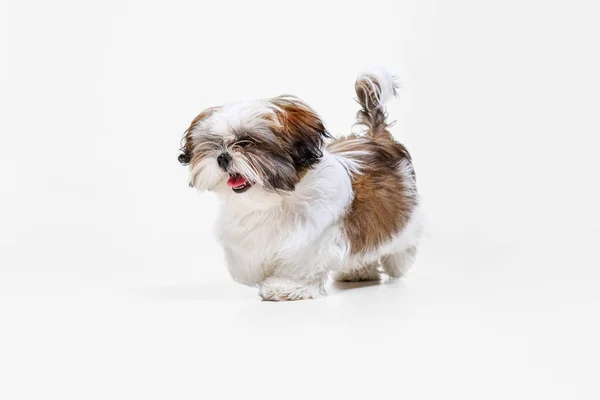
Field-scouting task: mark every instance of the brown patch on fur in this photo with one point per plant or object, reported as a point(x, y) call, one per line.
point(302, 129)
point(383, 197)
point(301, 174)
point(384, 191)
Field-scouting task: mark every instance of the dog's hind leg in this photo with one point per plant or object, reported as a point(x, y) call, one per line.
point(358, 272)
point(397, 264)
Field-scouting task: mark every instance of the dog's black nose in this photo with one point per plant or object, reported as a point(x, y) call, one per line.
point(223, 160)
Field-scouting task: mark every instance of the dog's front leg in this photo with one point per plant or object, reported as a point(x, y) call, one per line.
point(284, 288)
point(244, 269)
point(302, 278)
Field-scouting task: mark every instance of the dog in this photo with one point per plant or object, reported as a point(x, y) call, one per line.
point(298, 204)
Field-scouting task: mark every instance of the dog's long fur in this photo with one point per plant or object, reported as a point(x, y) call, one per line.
point(311, 205)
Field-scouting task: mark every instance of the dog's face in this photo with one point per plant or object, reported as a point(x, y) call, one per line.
point(261, 145)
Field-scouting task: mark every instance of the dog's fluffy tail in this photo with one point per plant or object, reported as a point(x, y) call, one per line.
point(374, 88)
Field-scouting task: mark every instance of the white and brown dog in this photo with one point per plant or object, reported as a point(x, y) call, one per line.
point(297, 204)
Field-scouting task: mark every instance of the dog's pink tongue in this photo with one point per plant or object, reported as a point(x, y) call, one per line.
point(236, 180)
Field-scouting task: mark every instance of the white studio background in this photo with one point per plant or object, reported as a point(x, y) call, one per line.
point(111, 285)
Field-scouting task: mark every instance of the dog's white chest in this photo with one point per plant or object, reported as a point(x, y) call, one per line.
point(252, 244)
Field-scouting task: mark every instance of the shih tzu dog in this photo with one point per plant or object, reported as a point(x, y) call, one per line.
point(297, 204)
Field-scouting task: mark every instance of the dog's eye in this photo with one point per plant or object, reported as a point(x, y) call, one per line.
point(244, 143)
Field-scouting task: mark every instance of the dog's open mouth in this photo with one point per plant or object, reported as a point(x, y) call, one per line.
point(238, 183)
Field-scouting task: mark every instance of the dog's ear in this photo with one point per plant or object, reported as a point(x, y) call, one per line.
point(186, 150)
point(185, 155)
point(302, 129)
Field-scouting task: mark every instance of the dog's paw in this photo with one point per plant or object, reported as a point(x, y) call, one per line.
point(279, 289)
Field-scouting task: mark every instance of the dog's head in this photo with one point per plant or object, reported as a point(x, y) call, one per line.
point(259, 145)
